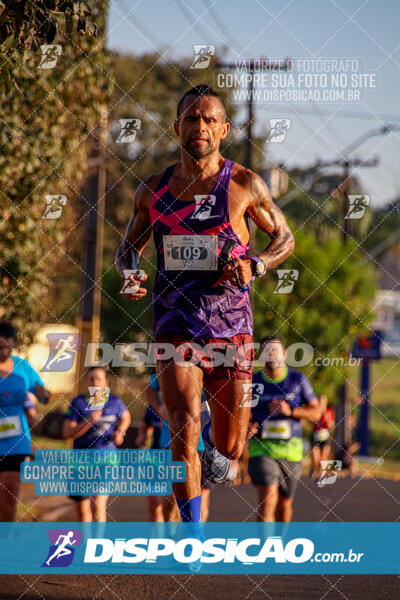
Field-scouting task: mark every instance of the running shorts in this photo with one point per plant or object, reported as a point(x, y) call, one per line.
point(264, 470)
point(235, 353)
point(12, 462)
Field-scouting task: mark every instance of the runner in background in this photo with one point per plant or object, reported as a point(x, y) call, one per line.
point(17, 377)
point(284, 397)
point(95, 429)
point(346, 453)
point(155, 422)
point(321, 441)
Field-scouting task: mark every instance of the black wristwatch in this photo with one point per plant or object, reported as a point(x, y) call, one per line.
point(258, 266)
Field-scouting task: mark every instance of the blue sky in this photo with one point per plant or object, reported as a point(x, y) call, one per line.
point(367, 30)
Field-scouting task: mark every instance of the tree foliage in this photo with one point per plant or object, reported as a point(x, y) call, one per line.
point(47, 118)
point(329, 305)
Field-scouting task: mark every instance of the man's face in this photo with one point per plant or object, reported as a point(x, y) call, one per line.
point(96, 378)
point(275, 355)
point(201, 126)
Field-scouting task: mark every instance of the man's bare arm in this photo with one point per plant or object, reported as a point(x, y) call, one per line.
point(269, 218)
point(137, 234)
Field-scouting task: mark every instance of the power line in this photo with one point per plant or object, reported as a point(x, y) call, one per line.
point(221, 25)
point(344, 114)
point(190, 20)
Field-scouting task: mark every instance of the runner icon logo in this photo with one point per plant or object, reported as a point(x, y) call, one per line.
point(251, 394)
point(98, 397)
point(129, 128)
point(278, 130)
point(287, 278)
point(62, 547)
point(63, 349)
point(202, 55)
point(329, 472)
point(50, 54)
point(204, 206)
point(54, 206)
point(357, 206)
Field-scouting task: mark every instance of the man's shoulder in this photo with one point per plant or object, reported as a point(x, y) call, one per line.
point(245, 177)
point(296, 375)
point(149, 185)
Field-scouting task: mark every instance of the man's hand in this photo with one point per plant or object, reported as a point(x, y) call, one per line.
point(252, 430)
point(243, 268)
point(118, 437)
point(133, 280)
point(42, 394)
point(95, 416)
point(280, 407)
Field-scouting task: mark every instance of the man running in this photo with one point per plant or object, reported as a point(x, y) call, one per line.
point(201, 292)
point(284, 397)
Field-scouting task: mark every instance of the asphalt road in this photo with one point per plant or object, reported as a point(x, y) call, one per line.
point(346, 500)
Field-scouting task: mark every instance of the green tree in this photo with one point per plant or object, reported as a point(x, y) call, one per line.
point(44, 138)
point(329, 305)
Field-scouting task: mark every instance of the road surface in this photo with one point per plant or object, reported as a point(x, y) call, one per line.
point(346, 500)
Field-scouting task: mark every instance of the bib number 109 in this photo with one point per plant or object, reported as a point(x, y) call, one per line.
point(190, 252)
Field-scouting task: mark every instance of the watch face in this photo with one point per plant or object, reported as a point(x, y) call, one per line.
point(260, 268)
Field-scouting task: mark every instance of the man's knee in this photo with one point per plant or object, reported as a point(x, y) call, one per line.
point(230, 447)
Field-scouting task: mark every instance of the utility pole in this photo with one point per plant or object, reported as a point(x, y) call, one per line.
point(344, 188)
point(94, 189)
point(251, 65)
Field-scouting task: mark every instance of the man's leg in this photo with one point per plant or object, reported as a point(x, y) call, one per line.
point(205, 503)
point(84, 510)
point(267, 502)
point(170, 509)
point(315, 463)
point(181, 391)
point(284, 509)
point(9, 490)
point(100, 509)
point(229, 420)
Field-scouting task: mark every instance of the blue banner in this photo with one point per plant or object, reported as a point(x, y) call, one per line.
point(209, 548)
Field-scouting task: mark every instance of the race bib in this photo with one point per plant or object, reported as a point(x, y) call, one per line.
point(321, 435)
point(190, 252)
point(276, 430)
point(9, 427)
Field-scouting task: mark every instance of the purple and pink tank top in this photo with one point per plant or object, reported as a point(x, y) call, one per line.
point(188, 296)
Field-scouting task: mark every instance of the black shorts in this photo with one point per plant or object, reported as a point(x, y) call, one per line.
point(264, 470)
point(12, 462)
point(79, 498)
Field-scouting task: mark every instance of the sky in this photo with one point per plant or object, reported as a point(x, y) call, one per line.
point(361, 31)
